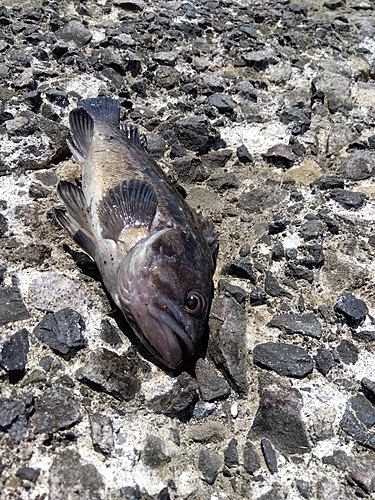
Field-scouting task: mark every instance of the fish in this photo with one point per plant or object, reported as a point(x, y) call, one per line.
point(155, 254)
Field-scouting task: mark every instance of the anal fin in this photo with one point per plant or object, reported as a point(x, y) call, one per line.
point(130, 204)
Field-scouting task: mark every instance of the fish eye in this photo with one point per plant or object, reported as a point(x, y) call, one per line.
point(194, 303)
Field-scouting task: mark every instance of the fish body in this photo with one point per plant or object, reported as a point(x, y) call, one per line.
point(155, 256)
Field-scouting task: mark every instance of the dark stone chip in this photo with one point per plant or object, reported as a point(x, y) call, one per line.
point(192, 132)
point(251, 461)
point(212, 386)
point(216, 159)
point(269, 455)
point(278, 251)
point(2, 274)
point(300, 273)
point(241, 269)
point(178, 399)
point(62, 331)
point(107, 372)
point(110, 333)
point(222, 102)
point(354, 310)
point(278, 418)
point(37, 191)
point(74, 31)
point(298, 117)
point(258, 297)
point(238, 293)
point(13, 418)
point(368, 388)
point(226, 345)
point(153, 453)
point(55, 410)
point(101, 433)
point(13, 354)
point(231, 454)
point(71, 477)
point(348, 199)
point(303, 324)
point(363, 409)
point(330, 182)
point(359, 166)
point(285, 359)
point(364, 336)
point(243, 154)
point(3, 225)
point(223, 181)
point(281, 155)
point(28, 473)
point(324, 360)
point(209, 464)
point(273, 288)
point(12, 307)
point(348, 352)
point(278, 226)
point(303, 488)
point(311, 230)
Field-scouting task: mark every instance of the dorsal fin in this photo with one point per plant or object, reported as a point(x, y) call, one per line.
point(132, 134)
point(101, 108)
point(81, 130)
point(128, 204)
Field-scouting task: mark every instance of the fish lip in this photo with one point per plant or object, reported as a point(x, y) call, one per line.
point(170, 326)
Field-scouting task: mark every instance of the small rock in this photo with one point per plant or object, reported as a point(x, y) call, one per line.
point(203, 410)
point(302, 324)
point(278, 418)
point(222, 102)
point(216, 159)
point(192, 132)
point(251, 461)
point(12, 307)
point(153, 452)
point(348, 199)
point(101, 433)
point(278, 226)
point(330, 182)
point(311, 230)
point(132, 5)
point(3, 225)
point(62, 331)
point(109, 333)
point(285, 359)
point(212, 386)
point(178, 398)
point(324, 360)
point(363, 409)
point(75, 32)
point(269, 455)
point(368, 388)
point(167, 77)
point(348, 352)
point(72, 477)
point(155, 145)
point(258, 297)
point(28, 473)
point(364, 336)
point(359, 166)
point(300, 273)
point(165, 57)
point(13, 418)
point(260, 59)
point(243, 154)
point(303, 488)
point(107, 372)
point(354, 310)
point(278, 251)
point(55, 410)
point(258, 200)
point(280, 155)
point(209, 464)
point(13, 353)
point(231, 454)
point(208, 432)
point(226, 345)
point(273, 288)
point(241, 269)
point(238, 293)
point(223, 181)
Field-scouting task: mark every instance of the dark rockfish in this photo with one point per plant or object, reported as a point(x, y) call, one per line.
point(155, 255)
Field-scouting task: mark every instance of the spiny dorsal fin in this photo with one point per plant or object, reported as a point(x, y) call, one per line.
point(76, 220)
point(132, 134)
point(128, 204)
point(101, 108)
point(81, 130)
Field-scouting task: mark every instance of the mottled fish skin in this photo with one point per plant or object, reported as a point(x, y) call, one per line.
point(155, 256)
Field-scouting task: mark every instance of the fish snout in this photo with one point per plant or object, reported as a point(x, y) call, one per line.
point(170, 339)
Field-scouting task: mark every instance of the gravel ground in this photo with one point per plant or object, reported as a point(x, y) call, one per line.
point(263, 114)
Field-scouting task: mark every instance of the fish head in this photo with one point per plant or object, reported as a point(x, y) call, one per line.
point(165, 289)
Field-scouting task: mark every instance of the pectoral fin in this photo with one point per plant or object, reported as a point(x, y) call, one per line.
point(81, 130)
point(76, 219)
point(130, 204)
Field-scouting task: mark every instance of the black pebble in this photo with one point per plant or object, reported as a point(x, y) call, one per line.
point(269, 455)
point(285, 359)
point(354, 310)
point(231, 454)
point(348, 352)
point(13, 355)
point(251, 461)
point(28, 473)
point(324, 360)
point(258, 297)
point(368, 388)
point(243, 154)
point(241, 269)
point(348, 199)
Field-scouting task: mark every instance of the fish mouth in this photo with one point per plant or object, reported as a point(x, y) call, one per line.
point(174, 344)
